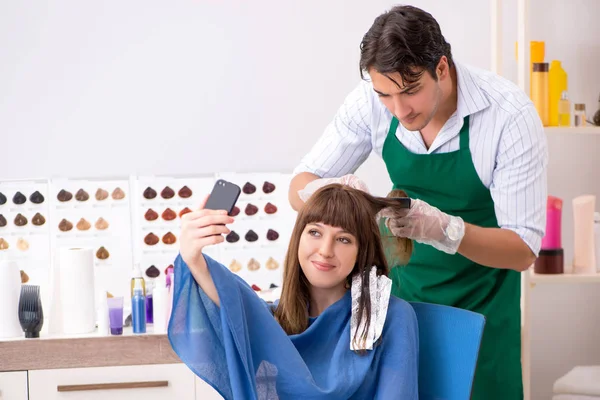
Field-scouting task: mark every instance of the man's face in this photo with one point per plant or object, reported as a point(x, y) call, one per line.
point(413, 104)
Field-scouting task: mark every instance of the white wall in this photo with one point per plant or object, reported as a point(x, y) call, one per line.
point(112, 88)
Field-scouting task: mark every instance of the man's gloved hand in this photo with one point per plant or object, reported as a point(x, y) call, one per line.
point(426, 224)
point(349, 180)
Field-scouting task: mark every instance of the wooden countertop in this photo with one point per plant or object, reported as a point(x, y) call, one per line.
point(83, 351)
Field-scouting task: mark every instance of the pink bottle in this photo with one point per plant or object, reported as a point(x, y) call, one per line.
point(551, 257)
point(553, 237)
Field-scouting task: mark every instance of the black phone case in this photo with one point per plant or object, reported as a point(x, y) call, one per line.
point(224, 195)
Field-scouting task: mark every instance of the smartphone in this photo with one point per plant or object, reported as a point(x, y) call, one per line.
point(224, 195)
point(403, 201)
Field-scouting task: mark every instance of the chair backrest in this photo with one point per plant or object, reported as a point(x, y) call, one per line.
point(449, 340)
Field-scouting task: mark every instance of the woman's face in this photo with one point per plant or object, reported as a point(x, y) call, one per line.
point(327, 255)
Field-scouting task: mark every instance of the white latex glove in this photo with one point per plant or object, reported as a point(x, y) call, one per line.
point(426, 224)
point(349, 180)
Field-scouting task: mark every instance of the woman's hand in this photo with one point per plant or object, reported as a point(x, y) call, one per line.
point(199, 229)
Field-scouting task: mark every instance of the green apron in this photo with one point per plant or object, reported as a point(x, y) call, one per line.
point(450, 182)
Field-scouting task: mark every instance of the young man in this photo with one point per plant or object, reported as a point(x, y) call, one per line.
point(469, 148)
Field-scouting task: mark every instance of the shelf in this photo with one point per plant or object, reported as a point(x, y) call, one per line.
point(585, 130)
point(564, 278)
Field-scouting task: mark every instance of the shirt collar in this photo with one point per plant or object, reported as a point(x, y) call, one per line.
point(470, 97)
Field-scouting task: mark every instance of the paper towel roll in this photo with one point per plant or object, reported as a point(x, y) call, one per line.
point(10, 291)
point(77, 290)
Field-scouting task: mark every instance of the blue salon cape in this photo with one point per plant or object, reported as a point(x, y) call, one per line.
point(241, 350)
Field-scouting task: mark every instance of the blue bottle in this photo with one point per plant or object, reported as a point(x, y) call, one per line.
point(138, 309)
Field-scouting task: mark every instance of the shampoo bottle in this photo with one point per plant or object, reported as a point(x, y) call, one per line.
point(138, 308)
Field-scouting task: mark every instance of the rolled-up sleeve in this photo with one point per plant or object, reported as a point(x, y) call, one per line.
point(346, 142)
point(519, 182)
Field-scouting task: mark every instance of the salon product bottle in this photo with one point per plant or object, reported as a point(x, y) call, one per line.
point(597, 115)
point(584, 257)
point(138, 277)
point(557, 87)
point(579, 115)
point(564, 110)
point(160, 305)
point(138, 308)
point(551, 255)
point(539, 91)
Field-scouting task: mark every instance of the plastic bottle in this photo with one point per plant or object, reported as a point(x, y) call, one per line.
point(564, 110)
point(137, 276)
point(539, 91)
point(160, 306)
point(579, 115)
point(557, 86)
point(138, 308)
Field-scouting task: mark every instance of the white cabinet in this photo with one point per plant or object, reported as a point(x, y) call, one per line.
point(148, 382)
point(206, 392)
point(13, 385)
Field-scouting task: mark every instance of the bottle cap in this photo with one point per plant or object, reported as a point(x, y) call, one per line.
point(137, 271)
point(540, 67)
point(580, 107)
point(564, 95)
point(137, 286)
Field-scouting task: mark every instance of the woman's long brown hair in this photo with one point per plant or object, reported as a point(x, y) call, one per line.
point(354, 211)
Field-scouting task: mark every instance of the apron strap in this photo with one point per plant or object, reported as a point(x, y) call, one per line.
point(464, 134)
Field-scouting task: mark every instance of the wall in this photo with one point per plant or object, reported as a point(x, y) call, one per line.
point(113, 88)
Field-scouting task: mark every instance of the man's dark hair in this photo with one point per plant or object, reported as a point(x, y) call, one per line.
point(406, 40)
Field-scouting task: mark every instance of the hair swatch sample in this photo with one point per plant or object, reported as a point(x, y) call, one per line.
point(253, 265)
point(251, 236)
point(270, 208)
point(38, 219)
point(22, 244)
point(19, 198)
point(83, 225)
point(24, 277)
point(101, 194)
point(167, 193)
point(268, 187)
point(36, 197)
point(271, 264)
point(65, 225)
point(235, 266)
point(232, 237)
point(3, 221)
point(102, 253)
point(152, 272)
point(149, 193)
point(184, 211)
point(3, 244)
point(64, 196)
point(251, 209)
point(101, 224)
point(185, 192)
point(249, 188)
point(151, 215)
point(272, 235)
point(169, 215)
point(82, 195)
point(235, 212)
point(151, 239)
point(169, 238)
point(20, 220)
point(2, 199)
point(118, 194)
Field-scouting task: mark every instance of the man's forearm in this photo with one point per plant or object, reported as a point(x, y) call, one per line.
point(299, 182)
point(496, 248)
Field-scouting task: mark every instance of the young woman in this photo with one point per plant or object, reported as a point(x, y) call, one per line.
point(336, 333)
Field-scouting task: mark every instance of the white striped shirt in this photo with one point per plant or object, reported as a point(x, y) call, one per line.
point(506, 139)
